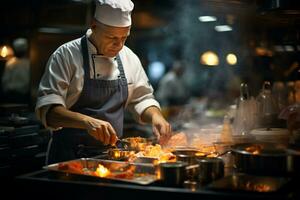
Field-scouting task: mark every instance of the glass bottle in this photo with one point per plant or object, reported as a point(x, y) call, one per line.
point(241, 124)
point(267, 107)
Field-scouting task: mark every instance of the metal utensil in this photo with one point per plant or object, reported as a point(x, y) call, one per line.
point(121, 143)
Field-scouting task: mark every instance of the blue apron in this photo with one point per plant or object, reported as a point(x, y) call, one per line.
point(101, 99)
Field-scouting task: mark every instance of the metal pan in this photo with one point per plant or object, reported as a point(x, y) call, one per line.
point(210, 169)
point(118, 171)
point(261, 158)
point(175, 173)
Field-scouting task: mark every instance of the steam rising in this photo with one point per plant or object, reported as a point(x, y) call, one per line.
point(188, 39)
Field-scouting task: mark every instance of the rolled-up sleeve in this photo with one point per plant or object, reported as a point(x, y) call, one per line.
point(53, 86)
point(142, 93)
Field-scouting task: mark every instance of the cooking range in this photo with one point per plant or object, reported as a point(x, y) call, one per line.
point(246, 170)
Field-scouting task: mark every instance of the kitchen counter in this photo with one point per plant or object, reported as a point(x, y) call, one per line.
point(48, 184)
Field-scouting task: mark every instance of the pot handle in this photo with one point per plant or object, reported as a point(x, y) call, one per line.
point(192, 166)
point(225, 152)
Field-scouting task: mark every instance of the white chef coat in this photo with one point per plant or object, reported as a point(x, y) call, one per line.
point(63, 79)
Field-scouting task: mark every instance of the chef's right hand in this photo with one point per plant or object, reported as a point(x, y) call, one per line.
point(101, 130)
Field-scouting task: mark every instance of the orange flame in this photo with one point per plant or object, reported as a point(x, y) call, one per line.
point(102, 171)
point(4, 52)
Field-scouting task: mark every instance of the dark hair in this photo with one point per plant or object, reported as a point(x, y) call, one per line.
point(20, 46)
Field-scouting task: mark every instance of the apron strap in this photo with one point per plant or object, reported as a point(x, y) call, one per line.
point(121, 69)
point(85, 55)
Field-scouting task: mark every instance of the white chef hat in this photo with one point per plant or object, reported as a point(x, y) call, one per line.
point(114, 12)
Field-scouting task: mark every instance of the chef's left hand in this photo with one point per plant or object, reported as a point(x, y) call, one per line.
point(161, 128)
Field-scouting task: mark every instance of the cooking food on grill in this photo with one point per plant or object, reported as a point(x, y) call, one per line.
point(257, 187)
point(102, 171)
point(156, 151)
point(113, 170)
point(124, 173)
point(136, 143)
point(159, 154)
point(72, 167)
point(255, 149)
point(119, 154)
point(250, 183)
point(178, 139)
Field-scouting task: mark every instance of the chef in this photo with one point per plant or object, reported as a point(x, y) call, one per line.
point(88, 82)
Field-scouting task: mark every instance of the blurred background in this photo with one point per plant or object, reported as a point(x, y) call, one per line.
point(243, 40)
point(219, 43)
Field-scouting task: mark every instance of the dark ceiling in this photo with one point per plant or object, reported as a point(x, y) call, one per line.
point(275, 16)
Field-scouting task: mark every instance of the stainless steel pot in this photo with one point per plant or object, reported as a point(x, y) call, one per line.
point(172, 174)
point(190, 159)
point(210, 169)
point(261, 158)
point(175, 173)
point(192, 170)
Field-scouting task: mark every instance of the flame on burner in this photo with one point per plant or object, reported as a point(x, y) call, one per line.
point(102, 171)
point(117, 154)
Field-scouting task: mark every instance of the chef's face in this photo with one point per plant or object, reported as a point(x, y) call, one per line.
point(109, 40)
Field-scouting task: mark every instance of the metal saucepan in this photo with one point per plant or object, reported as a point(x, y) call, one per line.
point(192, 171)
point(174, 173)
point(190, 157)
point(265, 159)
point(210, 169)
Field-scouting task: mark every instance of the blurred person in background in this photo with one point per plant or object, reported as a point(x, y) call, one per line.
point(171, 89)
point(88, 82)
point(16, 76)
